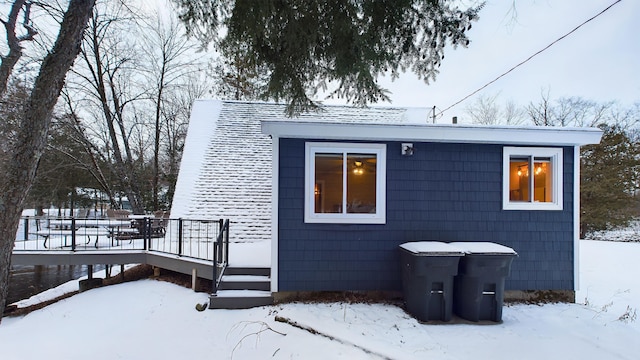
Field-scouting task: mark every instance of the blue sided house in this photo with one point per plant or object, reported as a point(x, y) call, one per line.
point(325, 199)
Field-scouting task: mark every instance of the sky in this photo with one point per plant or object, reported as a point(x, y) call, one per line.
point(599, 62)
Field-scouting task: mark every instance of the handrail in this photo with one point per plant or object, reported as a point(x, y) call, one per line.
point(220, 255)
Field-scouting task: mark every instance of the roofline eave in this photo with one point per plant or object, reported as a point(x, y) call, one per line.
point(512, 135)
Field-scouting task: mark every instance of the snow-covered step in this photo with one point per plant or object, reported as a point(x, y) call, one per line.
point(243, 293)
point(245, 282)
point(239, 299)
point(242, 288)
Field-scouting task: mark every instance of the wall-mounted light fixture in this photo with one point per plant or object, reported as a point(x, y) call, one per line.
point(407, 149)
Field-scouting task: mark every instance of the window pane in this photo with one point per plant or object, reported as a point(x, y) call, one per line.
point(361, 183)
point(542, 183)
point(519, 179)
point(328, 183)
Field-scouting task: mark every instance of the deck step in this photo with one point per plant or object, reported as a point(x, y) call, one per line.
point(240, 299)
point(242, 288)
point(245, 282)
point(232, 270)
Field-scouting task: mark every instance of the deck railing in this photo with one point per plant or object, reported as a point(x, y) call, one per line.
point(199, 239)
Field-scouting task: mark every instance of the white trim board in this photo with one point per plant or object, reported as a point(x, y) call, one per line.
point(482, 134)
point(274, 213)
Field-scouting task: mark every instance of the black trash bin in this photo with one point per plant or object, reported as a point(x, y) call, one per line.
point(479, 285)
point(428, 268)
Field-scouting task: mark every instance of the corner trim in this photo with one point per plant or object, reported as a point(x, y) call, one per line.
point(275, 163)
point(576, 218)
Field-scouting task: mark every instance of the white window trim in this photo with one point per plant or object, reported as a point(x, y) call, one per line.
point(557, 187)
point(380, 150)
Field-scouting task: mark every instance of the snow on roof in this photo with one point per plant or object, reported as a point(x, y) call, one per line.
point(226, 163)
point(226, 170)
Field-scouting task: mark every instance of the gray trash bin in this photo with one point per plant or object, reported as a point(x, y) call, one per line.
point(428, 268)
point(479, 285)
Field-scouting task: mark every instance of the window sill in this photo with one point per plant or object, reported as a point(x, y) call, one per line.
point(532, 206)
point(345, 220)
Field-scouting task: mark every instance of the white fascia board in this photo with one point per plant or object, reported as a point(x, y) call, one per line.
point(512, 135)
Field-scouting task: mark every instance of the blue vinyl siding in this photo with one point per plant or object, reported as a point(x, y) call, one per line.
point(444, 192)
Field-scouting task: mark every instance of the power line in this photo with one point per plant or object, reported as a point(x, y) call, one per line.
point(529, 58)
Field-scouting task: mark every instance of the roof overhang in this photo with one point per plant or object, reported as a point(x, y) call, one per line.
point(449, 133)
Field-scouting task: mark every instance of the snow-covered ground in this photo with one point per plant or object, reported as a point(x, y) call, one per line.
point(156, 320)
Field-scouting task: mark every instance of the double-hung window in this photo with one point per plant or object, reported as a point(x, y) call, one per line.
point(532, 178)
point(345, 183)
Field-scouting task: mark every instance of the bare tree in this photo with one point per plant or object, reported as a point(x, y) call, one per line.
point(169, 61)
point(132, 65)
point(107, 76)
point(97, 158)
point(627, 118)
point(540, 113)
point(18, 172)
point(512, 113)
point(14, 41)
point(574, 111)
point(486, 110)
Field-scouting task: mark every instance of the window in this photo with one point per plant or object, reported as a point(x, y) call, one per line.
point(345, 183)
point(532, 178)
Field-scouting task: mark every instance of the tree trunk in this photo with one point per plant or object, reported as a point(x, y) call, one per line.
point(19, 172)
point(156, 142)
point(103, 82)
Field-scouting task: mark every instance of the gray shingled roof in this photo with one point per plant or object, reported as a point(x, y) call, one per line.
point(226, 165)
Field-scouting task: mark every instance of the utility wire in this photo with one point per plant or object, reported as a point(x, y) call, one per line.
point(529, 58)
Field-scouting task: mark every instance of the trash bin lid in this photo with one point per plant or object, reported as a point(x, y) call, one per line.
point(485, 248)
point(431, 248)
